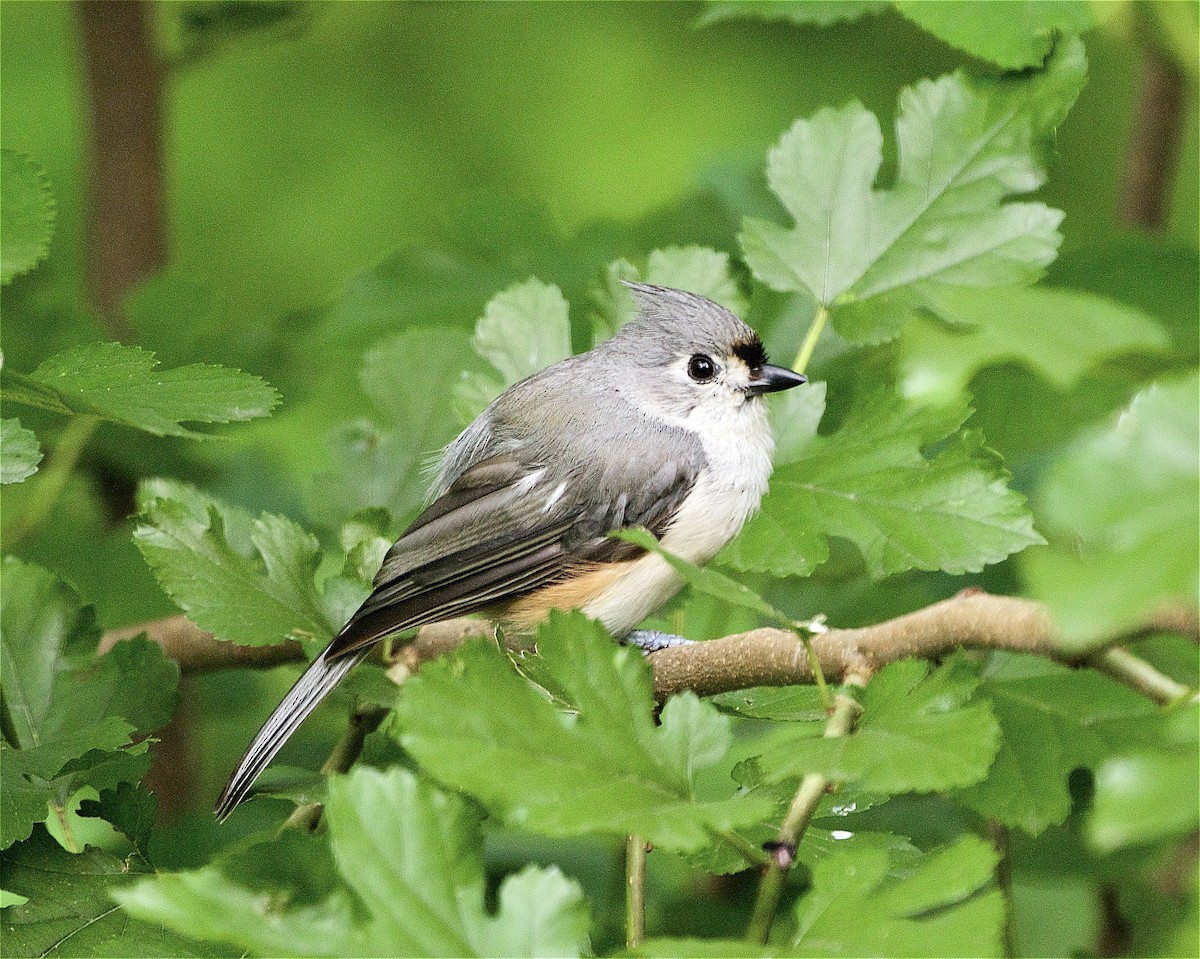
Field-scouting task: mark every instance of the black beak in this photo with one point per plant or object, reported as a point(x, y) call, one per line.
point(772, 379)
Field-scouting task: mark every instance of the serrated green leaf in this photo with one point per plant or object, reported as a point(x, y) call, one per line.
point(1052, 720)
point(524, 329)
point(247, 581)
point(19, 452)
point(26, 214)
point(966, 145)
point(1121, 506)
point(603, 766)
point(124, 384)
point(871, 483)
point(70, 911)
point(782, 703)
point(919, 732)
point(385, 463)
point(72, 714)
point(130, 807)
point(862, 902)
point(1060, 334)
point(412, 856)
point(1012, 35)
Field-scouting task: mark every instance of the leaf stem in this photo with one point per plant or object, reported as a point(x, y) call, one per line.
point(1135, 672)
point(635, 891)
point(799, 815)
point(998, 833)
point(54, 476)
point(64, 821)
point(363, 721)
point(810, 341)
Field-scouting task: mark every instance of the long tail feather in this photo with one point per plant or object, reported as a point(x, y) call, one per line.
point(317, 682)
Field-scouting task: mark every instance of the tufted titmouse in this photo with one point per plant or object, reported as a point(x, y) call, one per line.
point(661, 426)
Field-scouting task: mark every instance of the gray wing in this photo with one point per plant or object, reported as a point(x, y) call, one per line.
point(507, 525)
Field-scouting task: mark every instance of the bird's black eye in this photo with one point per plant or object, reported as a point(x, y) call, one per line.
point(701, 368)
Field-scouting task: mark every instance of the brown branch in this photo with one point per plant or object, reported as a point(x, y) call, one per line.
point(1155, 138)
point(127, 233)
point(761, 657)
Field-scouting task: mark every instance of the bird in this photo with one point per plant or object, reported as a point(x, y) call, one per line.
point(662, 426)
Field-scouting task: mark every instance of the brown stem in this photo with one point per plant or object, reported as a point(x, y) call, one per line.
point(1154, 143)
point(126, 223)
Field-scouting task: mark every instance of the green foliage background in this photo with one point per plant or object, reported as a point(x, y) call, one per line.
point(359, 195)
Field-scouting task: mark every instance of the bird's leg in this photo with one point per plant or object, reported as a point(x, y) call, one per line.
point(651, 640)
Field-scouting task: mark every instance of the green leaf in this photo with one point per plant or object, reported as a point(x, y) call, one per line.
point(1052, 720)
point(965, 146)
point(1012, 35)
point(19, 452)
point(384, 463)
point(70, 715)
point(26, 214)
point(782, 703)
point(871, 483)
point(865, 903)
point(1139, 792)
point(130, 807)
point(696, 269)
point(412, 857)
point(124, 384)
point(247, 581)
point(524, 329)
point(70, 911)
point(1121, 506)
point(602, 766)
point(919, 732)
point(1059, 334)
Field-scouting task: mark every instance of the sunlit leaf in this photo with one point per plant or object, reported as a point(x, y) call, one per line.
point(125, 385)
point(601, 766)
point(19, 452)
point(412, 857)
point(26, 214)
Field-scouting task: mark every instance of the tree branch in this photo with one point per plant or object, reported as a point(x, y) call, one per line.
point(761, 657)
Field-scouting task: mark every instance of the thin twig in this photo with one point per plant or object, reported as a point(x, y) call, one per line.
point(1136, 673)
point(635, 891)
point(363, 721)
point(804, 806)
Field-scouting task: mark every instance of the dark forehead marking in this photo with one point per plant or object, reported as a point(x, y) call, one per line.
point(750, 352)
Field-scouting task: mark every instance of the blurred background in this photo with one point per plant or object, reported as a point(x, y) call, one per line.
point(308, 178)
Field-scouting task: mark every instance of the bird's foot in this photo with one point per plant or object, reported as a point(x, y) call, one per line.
point(651, 640)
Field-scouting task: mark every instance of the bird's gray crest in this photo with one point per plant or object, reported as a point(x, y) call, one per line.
point(683, 319)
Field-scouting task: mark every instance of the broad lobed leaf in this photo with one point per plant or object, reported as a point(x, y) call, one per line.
point(409, 881)
point(965, 146)
point(69, 909)
point(601, 766)
point(1060, 334)
point(125, 385)
point(1121, 505)
point(248, 581)
point(871, 483)
point(71, 716)
point(1052, 720)
point(920, 731)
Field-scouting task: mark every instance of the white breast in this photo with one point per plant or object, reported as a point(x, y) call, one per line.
point(738, 445)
